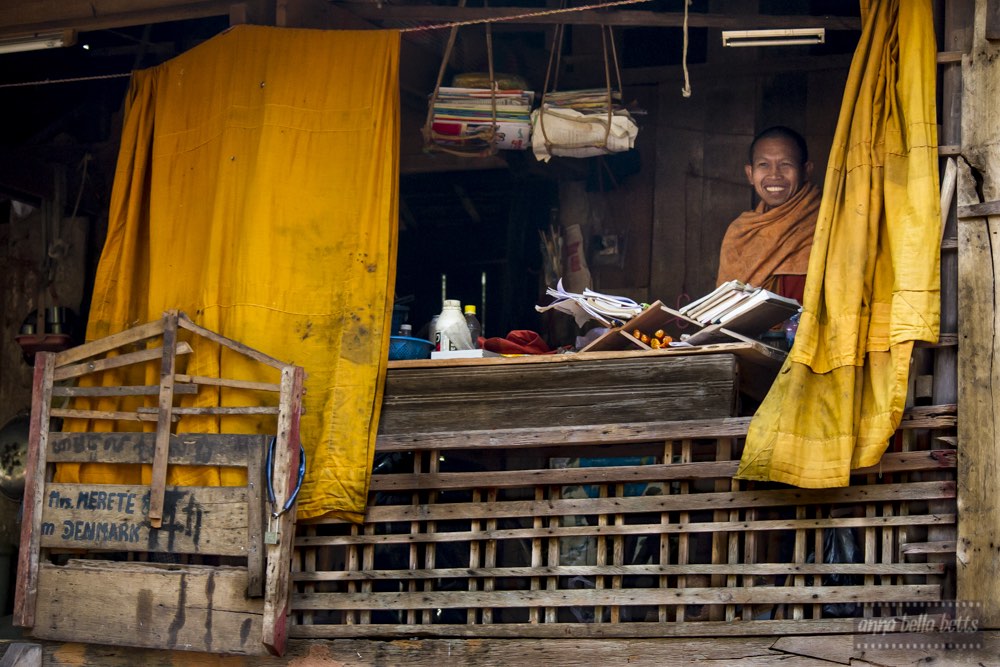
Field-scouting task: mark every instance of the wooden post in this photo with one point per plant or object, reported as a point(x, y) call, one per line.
point(283, 476)
point(34, 487)
point(978, 566)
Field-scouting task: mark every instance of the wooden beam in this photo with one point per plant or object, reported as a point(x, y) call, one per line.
point(19, 17)
point(628, 18)
point(982, 210)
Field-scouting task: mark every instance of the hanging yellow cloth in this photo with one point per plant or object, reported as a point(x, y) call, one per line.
point(256, 190)
point(874, 273)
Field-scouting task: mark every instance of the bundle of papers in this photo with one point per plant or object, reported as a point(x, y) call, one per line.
point(575, 123)
point(463, 118)
point(607, 309)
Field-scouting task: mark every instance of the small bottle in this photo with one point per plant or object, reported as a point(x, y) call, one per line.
point(791, 328)
point(406, 330)
point(475, 329)
point(451, 332)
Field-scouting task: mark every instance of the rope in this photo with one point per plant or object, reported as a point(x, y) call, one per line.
point(527, 15)
point(686, 90)
point(74, 80)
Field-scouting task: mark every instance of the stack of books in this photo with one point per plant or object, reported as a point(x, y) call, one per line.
point(737, 310)
point(463, 118)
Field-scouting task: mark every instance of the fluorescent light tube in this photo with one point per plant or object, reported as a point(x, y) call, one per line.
point(37, 41)
point(779, 37)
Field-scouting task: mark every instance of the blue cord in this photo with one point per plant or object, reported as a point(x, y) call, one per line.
point(270, 478)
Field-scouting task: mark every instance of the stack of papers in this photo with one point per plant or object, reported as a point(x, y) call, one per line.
point(463, 118)
point(609, 310)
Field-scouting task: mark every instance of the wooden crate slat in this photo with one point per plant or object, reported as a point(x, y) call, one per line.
point(69, 413)
point(224, 410)
point(224, 449)
point(100, 365)
point(186, 389)
point(228, 382)
point(159, 606)
point(185, 322)
point(202, 520)
point(109, 343)
point(164, 412)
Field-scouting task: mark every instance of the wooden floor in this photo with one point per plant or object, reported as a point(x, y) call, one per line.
point(800, 651)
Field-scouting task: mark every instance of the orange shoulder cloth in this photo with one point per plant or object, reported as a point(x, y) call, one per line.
point(760, 245)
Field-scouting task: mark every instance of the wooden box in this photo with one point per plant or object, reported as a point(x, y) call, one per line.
point(146, 563)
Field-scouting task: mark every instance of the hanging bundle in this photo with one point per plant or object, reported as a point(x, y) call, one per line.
point(582, 123)
point(459, 120)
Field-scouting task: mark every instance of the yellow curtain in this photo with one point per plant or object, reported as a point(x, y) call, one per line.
point(874, 273)
point(256, 190)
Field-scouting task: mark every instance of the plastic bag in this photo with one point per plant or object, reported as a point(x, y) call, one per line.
point(839, 546)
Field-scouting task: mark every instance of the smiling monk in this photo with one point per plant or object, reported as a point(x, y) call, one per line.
point(769, 246)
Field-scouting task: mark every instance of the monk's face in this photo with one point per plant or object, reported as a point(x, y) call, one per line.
point(777, 171)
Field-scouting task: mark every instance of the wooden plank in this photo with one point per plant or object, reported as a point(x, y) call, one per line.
point(568, 597)
point(669, 647)
point(641, 18)
point(992, 20)
point(109, 343)
point(978, 569)
point(670, 503)
point(242, 410)
point(256, 509)
point(198, 520)
point(937, 416)
point(185, 322)
point(222, 449)
point(143, 604)
point(283, 475)
point(226, 382)
point(744, 569)
point(163, 418)
point(980, 210)
point(684, 528)
point(526, 631)
point(941, 547)
point(585, 391)
point(140, 390)
point(99, 365)
point(594, 434)
point(891, 462)
point(26, 590)
point(103, 414)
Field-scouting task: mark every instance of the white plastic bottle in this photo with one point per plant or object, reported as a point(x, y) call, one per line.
point(451, 331)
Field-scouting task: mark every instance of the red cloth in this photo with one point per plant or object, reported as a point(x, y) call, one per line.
point(519, 341)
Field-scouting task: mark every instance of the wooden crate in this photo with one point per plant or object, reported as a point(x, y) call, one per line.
point(151, 564)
